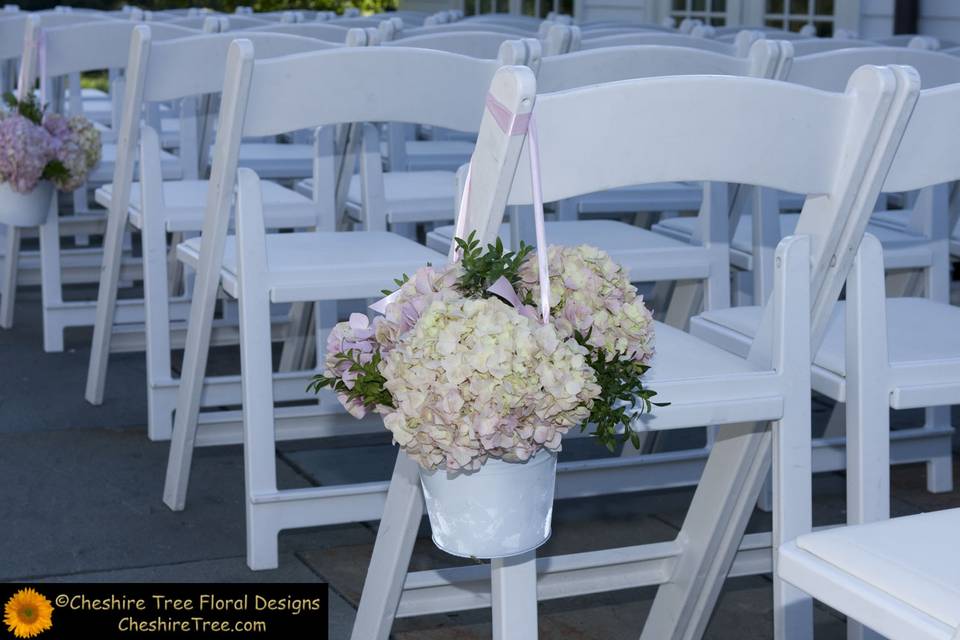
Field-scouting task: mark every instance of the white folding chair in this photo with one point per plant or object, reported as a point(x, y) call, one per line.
point(54, 53)
point(160, 73)
point(920, 246)
point(844, 145)
point(900, 576)
point(443, 150)
point(646, 255)
point(467, 26)
point(909, 240)
point(400, 199)
point(476, 44)
point(822, 45)
point(318, 30)
point(579, 40)
point(243, 23)
point(79, 265)
point(880, 353)
point(265, 98)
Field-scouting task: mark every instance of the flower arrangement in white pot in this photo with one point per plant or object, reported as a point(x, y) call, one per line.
point(479, 387)
point(39, 152)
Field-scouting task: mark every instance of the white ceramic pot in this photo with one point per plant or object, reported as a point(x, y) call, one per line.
point(502, 510)
point(25, 209)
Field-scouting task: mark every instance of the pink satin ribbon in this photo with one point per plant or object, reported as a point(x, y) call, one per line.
point(511, 124)
point(514, 124)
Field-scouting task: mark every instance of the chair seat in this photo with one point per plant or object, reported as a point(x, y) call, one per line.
point(902, 249)
point(410, 196)
point(901, 218)
point(185, 202)
point(706, 385)
point(325, 265)
point(169, 166)
point(669, 196)
point(274, 161)
point(911, 562)
point(436, 155)
point(645, 255)
point(680, 355)
point(919, 331)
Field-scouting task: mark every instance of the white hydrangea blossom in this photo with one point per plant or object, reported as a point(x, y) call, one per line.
point(590, 293)
point(474, 378)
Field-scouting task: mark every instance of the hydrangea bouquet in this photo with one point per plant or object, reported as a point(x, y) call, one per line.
point(462, 368)
point(37, 146)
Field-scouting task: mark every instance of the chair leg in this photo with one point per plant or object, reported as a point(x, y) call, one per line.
point(157, 328)
point(9, 284)
point(792, 468)
point(765, 500)
point(513, 586)
point(259, 444)
point(195, 354)
point(711, 534)
point(686, 300)
point(867, 407)
point(51, 287)
point(106, 308)
point(301, 319)
point(391, 553)
point(939, 469)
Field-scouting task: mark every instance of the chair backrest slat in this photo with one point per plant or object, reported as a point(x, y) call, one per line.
point(556, 73)
point(394, 84)
point(655, 37)
point(172, 71)
point(96, 45)
point(476, 44)
point(829, 70)
point(641, 146)
point(318, 30)
point(928, 154)
point(13, 28)
point(840, 147)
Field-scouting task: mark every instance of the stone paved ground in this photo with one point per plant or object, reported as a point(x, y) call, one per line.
point(80, 500)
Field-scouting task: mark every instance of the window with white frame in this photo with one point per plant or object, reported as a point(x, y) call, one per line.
point(712, 12)
point(792, 15)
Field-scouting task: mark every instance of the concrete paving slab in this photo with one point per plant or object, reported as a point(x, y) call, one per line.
point(221, 570)
point(77, 502)
point(744, 612)
point(41, 391)
point(909, 484)
point(342, 616)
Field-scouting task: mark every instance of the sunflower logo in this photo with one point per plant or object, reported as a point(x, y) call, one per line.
point(27, 614)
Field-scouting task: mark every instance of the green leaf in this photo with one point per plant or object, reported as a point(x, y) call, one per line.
point(55, 170)
point(621, 389)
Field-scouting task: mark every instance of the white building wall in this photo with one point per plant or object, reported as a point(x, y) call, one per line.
point(876, 18)
point(940, 18)
point(626, 10)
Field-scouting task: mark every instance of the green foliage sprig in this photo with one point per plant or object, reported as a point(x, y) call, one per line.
point(368, 386)
point(29, 108)
point(621, 394)
point(482, 267)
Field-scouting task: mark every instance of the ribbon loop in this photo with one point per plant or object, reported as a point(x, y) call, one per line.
point(511, 124)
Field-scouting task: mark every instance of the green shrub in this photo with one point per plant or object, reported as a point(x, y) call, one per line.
point(227, 6)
